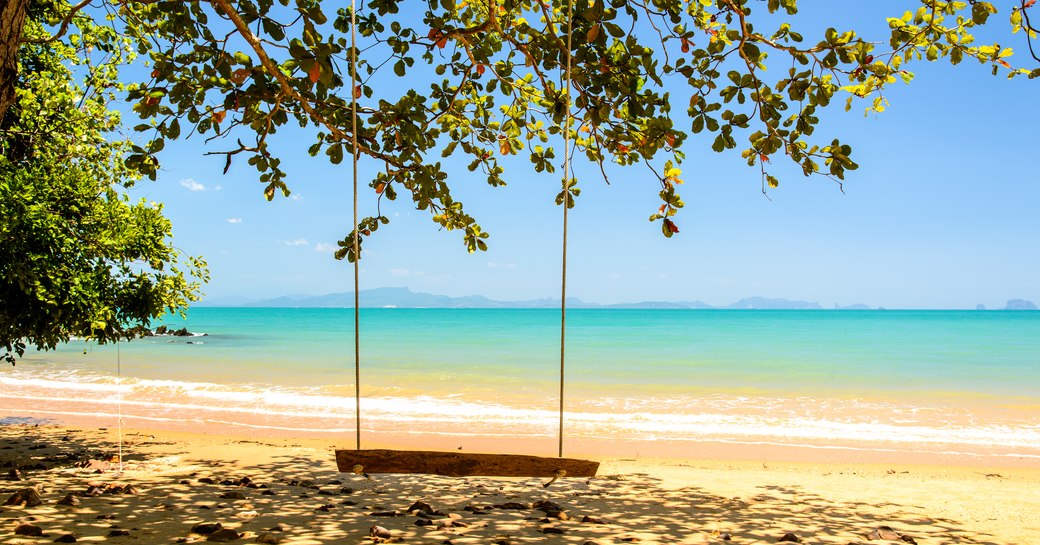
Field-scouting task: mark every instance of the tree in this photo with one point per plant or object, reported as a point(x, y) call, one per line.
point(485, 81)
point(77, 257)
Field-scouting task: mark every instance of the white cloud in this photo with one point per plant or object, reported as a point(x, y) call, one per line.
point(295, 197)
point(402, 272)
point(218, 187)
point(325, 247)
point(297, 242)
point(497, 265)
point(234, 220)
point(192, 185)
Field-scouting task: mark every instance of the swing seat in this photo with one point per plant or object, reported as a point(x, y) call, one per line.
point(462, 464)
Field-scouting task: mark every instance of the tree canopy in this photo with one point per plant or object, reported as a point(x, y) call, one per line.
point(484, 81)
point(77, 257)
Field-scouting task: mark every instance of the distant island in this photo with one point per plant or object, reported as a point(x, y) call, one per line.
point(1020, 304)
point(406, 298)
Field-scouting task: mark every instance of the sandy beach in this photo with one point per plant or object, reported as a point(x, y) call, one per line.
point(287, 490)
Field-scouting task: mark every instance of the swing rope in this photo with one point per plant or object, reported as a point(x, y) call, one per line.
point(119, 403)
point(357, 242)
point(566, 206)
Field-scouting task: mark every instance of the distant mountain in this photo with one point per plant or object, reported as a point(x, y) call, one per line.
point(763, 303)
point(1020, 304)
point(856, 306)
point(406, 298)
point(662, 305)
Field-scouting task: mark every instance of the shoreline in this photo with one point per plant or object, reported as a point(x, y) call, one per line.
point(648, 499)
point(761, 450)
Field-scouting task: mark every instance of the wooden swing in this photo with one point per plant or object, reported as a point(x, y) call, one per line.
point(458, 464)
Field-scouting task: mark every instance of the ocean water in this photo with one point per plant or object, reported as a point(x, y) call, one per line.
point(966, 381)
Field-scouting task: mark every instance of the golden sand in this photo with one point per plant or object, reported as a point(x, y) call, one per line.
point(294, 495)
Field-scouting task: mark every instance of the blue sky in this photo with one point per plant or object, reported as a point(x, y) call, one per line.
point(943, 213)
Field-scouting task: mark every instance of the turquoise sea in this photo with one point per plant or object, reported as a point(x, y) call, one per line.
point(964, 381)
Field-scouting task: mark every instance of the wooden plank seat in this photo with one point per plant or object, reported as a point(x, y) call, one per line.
point(462, 464)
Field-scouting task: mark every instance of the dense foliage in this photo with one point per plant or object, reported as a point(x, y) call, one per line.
point(485, 80)
point(77, 257)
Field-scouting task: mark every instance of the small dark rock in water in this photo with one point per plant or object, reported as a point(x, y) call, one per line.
point(267, 493)
point(233, 495)
point(380, 532)
point(908, 539)
point(14, 475)
point(69, 499)
point(346, 490)
point(503, 542)
point(267, 537)
point(553, 530)
point(790, 537)
point(118, 533)
point(28, 497)
point(593, 520)
point(725, 536)
point(206, 528)
point(326, 508)
point(385, 514)
point(423, 522)
point(185, 482)
point(207, 480)
point(28, 530)
point(420, 506)
point(67, 538)
point(224, 534)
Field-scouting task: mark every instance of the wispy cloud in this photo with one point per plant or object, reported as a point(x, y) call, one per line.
point(325, 247)
point(234, 220)
point(192, 185)
point(497, 265)
point(402, 272)
point(297, 242)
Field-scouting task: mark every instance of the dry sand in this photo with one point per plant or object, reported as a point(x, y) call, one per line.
point(298, 497)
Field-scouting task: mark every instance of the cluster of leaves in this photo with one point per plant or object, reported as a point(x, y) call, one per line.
point(1021, 22)
point(488, 79)
point(77, 257)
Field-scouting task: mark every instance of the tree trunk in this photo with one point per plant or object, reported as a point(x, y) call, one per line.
point(12, 20)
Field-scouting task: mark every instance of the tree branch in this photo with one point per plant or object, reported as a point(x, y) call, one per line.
point(64, 24)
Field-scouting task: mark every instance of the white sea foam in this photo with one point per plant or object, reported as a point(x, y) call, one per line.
point(743, 419)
